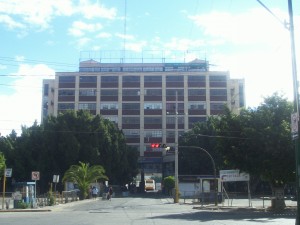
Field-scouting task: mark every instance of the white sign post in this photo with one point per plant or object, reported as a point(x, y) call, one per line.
point(8, 172)
point(235, 176)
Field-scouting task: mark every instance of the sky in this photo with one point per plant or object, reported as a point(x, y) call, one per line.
point(41, 37)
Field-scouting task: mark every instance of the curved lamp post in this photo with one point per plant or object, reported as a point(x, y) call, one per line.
point(214, 167)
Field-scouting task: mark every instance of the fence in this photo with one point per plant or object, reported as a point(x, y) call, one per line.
point(233, 199)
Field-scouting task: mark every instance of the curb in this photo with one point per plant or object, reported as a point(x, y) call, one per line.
point(25, 210)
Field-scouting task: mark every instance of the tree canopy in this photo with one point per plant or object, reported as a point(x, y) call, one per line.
point(62, 141)
point(257, 141)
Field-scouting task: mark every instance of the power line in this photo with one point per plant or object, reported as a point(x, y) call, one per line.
point(276, 17)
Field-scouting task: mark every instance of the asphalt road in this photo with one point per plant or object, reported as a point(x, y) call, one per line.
point(142, 211)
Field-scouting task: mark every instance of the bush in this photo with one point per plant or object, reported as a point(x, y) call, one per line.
point(169, 184)
point(50, 198)
point(22, 205)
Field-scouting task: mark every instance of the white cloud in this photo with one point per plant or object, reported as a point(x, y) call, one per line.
point(251, 45)
point(104, 35)
point(23, 107)
point(184, 44)
point(253, 26)
point(127, 37)
point(79, 28)
point(9, 22)
point(23, 14)
point(136, 47)
point(90, 10)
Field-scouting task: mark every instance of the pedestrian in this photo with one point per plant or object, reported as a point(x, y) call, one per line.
point(110, 193)
point(95, 192)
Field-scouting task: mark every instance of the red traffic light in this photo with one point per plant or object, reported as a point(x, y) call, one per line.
point(155, 145)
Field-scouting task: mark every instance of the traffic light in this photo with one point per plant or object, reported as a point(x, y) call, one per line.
point(159, 145)
point(155, 145)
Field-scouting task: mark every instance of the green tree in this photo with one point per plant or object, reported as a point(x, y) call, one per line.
point(83, 175)
point(169, 183)
point(2, 164)
point(194, 161)
point(262, 145)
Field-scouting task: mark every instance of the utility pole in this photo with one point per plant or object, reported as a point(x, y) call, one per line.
point(296, 99)
point(296, 106)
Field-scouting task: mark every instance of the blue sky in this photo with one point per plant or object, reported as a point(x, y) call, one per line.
point(41, 37)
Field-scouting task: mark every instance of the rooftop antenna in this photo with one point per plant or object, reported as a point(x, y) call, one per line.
point(125, 26)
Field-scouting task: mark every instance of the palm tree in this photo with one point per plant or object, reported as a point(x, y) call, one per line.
point(83, 175)
point(2, 164)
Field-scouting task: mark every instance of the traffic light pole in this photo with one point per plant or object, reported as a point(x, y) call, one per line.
point(176, 197)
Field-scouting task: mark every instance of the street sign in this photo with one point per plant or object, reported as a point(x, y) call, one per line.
point(233, 175)
point(55, 178)
point(8, 172)
point(294, 125)
point(35, 175)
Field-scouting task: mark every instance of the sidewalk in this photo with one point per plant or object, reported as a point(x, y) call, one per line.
point(45, 208)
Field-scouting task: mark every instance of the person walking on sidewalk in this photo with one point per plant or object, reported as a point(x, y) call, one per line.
point(110, 193)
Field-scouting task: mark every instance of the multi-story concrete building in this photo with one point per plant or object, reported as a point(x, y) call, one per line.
point(142, 97)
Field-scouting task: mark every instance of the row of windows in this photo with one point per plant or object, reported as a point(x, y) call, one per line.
point(145, 68)
point(150, 133)
point(147, 92)
point(136, 79)
point(136, 106)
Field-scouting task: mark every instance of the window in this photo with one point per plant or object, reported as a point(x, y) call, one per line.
point(132, 69)
point(172, 92)
point(131, 79)
point(66, 92)
point(171, 134)
point(108, 106)
point(131, 133)
point(131, 106)
point(193, 120)
point(65, 106)
point(152, 120)
point(131, 92)
point(153, 79)
point(46, 89)
point(66, 79)
point(87, 92)
point(215, 78)
point(174, 78)
point(192, 79)
point(109, 79)
point(105, 92)
point(89, 106)
point(152, 105)
point(172, 106)
point(131, 120)
point(196, 92)
point(110, 69)
point(152, 69)
point(171, 120)
point(153, 133)
point(218, 92)
point(87, 79)
point(217, 106)
point(153, 92)
point(197, 105)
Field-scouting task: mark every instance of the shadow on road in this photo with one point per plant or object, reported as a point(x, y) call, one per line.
point(229, 214)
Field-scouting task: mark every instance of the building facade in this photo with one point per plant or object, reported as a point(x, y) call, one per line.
point(144, 99)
